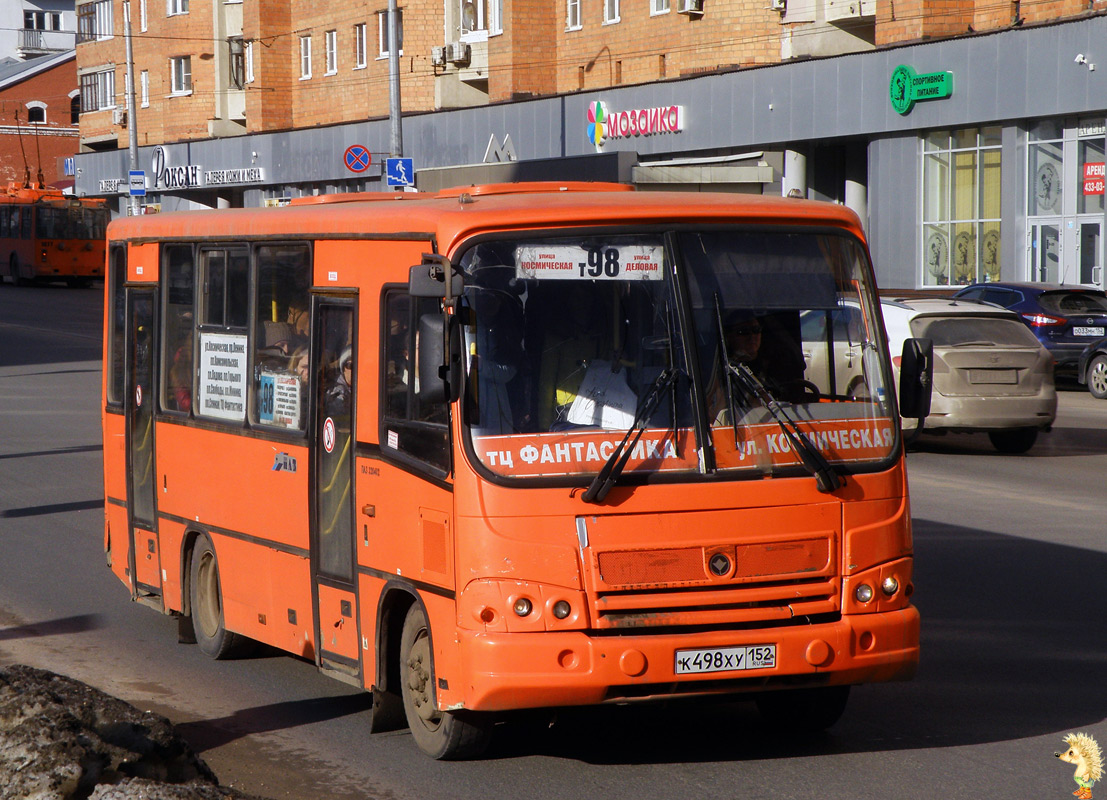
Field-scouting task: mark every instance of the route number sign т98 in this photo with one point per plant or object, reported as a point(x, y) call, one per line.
point(604, 263)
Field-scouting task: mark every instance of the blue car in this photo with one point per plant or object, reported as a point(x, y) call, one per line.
point(1066, 319)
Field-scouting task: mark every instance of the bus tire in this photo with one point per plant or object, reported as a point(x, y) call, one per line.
point(442, 735)
point(803, 711)
point(207, 604)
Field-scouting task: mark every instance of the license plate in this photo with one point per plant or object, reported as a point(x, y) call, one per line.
point(993, 376)
point(1092, 331)
point(725, 659)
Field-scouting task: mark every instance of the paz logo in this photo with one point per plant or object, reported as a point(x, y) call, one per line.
point(597, 122)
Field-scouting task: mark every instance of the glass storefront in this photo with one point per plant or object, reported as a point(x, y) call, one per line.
point(961, 206)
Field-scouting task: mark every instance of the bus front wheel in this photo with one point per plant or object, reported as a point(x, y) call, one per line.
point(803, 711)
point(207, 604)
point(442, 735)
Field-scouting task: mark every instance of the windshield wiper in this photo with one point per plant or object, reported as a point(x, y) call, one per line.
point(825, 474)
point(611, 470)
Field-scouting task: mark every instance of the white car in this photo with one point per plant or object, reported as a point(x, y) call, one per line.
point(991, 374)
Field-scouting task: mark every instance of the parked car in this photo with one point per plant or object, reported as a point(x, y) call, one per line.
point(1091, 369)
point(843, 373)
point(1063, 318)
point(990, 373)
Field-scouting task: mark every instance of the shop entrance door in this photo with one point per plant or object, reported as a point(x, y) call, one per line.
point(1044, 250)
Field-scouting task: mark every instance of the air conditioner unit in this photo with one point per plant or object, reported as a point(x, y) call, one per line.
point(693, 8)
point(438, 56)
point(119, 116)
point(459, 53)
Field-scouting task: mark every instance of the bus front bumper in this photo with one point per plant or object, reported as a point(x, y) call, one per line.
point(508, 671)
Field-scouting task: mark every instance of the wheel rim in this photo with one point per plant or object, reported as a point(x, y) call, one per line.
point(207, 599)
point(419, 681)
point(1097, 381)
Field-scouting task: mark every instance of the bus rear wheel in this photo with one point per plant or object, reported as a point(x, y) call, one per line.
point(207, 605)
point(442, 735)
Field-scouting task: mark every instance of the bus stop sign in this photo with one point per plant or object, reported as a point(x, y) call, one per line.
point(138, 183)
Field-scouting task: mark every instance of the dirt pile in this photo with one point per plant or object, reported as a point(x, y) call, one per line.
point(64, 740)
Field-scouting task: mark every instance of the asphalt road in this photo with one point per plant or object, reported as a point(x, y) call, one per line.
point(1011, 553)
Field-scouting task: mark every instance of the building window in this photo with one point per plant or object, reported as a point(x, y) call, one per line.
point(305, 57)
point(479, 18)
point(610, 11)
point(94, 21)
point(97, 90)
point(174, 7)
point(36, 112)
point(249, 62)
point(330, 49)
point(659, 7)
point(961, 206)
point(360, 46)
point(41, 21)
point(75, 108)
point(180, 75)
point(572, 15)
point(142, 24)
point(382, 32)
point(144, 88)
point(237, 62)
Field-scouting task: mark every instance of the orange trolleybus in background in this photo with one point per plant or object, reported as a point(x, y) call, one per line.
point(46, 235)
point(509, 447)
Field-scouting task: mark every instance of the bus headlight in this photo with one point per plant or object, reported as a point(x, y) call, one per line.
point(864, 593)
point(503, 605)
point(889, 586)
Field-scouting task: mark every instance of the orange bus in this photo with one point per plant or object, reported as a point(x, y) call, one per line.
point(48, 236)
point(509, 447)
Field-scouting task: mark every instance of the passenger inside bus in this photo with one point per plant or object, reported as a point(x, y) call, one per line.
point(579, 346)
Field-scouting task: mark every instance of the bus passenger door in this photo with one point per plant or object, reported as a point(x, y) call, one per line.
point(332, 536)
point(144, 561)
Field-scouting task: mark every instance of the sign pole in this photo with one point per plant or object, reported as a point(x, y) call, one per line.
point(396, 144)
point(132, 126)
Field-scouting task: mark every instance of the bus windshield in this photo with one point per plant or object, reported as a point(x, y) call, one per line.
point(734, 352)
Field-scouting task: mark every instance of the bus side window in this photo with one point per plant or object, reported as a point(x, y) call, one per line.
point(179, 332)
point(410, 428)
point(117, 275)
point(5, 215)
point(282, 333)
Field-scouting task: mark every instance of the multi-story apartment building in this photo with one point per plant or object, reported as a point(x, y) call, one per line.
point(33, 28)
point(967, 134)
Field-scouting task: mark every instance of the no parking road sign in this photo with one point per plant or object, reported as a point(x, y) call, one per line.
point(357, 158)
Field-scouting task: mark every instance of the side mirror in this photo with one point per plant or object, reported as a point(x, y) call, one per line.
point(428, 279)
point(438, 358)
point(916, 378)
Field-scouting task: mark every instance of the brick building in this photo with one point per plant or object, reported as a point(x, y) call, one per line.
point(935, 120)
point(38, 118)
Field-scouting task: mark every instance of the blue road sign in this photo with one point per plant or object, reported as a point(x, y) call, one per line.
point(399, 171)
point(138, 183)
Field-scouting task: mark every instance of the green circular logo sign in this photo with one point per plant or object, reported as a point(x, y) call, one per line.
point(899, 89)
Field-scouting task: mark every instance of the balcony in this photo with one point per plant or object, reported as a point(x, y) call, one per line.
point(39, 43)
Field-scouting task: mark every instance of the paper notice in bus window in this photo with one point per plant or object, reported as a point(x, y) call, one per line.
point(279, 399)
point(602, 263)
point(223, 376)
